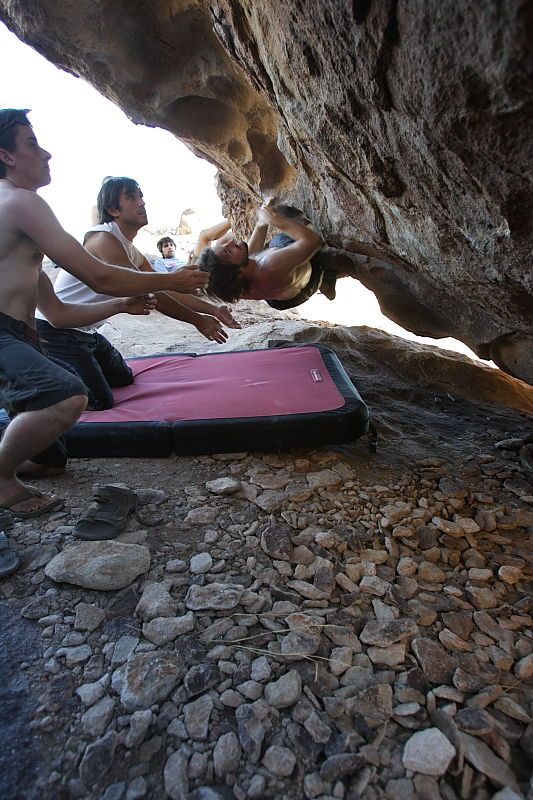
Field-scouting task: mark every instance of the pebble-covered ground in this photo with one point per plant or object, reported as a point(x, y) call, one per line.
point(319, 624)
point(296, 627)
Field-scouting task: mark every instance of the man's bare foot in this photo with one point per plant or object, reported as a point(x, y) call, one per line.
point(327, 287)
point(26, 501)
point(29, 469)
point(341, 263)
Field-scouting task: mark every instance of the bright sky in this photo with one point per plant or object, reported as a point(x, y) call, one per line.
point(90, 138)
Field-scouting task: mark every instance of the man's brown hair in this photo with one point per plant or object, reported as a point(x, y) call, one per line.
point(9, 119)
point(165, 240)
point(226, 280)
point(109, 196)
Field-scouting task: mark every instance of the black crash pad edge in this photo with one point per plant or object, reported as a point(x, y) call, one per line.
point(201, 437)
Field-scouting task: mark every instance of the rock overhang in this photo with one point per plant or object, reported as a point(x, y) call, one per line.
point(401, 133)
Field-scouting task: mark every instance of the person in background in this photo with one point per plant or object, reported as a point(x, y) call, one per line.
point(168, 261)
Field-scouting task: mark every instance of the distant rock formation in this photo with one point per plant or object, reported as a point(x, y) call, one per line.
point(183, 226)
point(402, 131)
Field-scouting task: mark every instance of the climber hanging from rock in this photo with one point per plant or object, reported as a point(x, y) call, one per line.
point(293, 267)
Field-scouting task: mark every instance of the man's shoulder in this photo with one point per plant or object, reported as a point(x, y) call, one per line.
point(103, 230)
point(22, 200)
point(96, 235)
point(21, 210)
point(95, 240)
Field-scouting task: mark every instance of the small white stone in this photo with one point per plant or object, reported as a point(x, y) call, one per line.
point(201, 516)
point(477, 574)
point(323, 479)
point(223, 486)
point(510, 574)
point(279, 761)
point(227, 754)
point(524, 668)
point(373, 585)
point(395, 512)
point(261, 669)
point(175, 565)
point(387, 656)
point(284, 692)
point(406, 709)
point(428, 752)
point(383, 612)
point(165, 629)
point(340, 660)
point(406, 566)
point(202, 562)
point(507, 794)
point(468, 525)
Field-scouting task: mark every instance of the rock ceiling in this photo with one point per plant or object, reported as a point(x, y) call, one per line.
point(401, 130)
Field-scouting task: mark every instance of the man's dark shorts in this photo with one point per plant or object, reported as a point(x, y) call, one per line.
point(92, 357)
point(29, 381)
point(313, 284)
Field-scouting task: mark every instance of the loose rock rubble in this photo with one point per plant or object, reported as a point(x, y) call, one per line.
point(294, 629)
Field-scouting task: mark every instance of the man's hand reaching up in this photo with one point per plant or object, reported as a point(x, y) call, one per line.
point(189, 280)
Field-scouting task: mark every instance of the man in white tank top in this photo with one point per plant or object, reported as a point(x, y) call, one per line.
point(122, 214)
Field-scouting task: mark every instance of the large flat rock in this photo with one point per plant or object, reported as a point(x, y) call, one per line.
point(99, 565)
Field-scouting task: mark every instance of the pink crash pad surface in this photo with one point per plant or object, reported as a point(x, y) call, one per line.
point(255, 383)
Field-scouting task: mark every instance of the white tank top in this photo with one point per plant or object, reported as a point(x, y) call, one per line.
point(70, 289)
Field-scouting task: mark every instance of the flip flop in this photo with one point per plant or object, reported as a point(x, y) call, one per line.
point(107, 518)
point(9, 558)
point(26, 494)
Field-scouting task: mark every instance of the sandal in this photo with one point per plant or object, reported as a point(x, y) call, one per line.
point(27, 493)
point(9, 558)
point(107, 518)
point(143, 497)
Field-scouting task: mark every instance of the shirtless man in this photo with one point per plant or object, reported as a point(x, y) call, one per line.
point(42, 399)
point(281, 274)
point(122, 213)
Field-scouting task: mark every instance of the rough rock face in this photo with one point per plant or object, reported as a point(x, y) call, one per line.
point(401, 130)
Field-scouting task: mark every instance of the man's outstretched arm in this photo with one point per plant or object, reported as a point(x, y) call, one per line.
point(193, 311)
point(256, 242)
point(31, 215)
point(208, 235)
point(77, 315)
point(306, 242)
